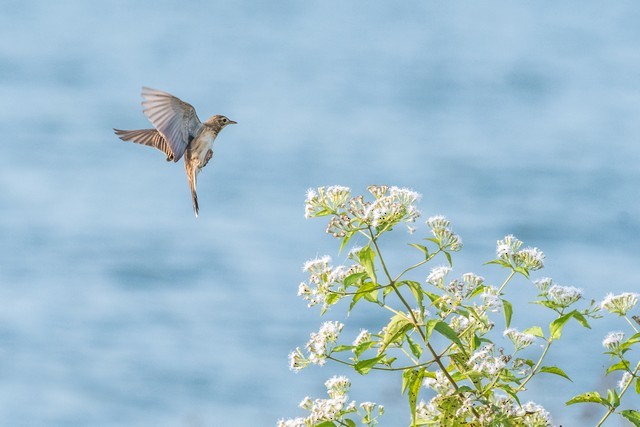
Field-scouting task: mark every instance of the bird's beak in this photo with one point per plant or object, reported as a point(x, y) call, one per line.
point(231, 122)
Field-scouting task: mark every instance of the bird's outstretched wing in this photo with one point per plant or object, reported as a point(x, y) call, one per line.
point(150, 137)
point(175, 119)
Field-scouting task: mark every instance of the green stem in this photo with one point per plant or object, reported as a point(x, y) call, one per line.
point(378, 368)
point(631, 323)
point(435, 355)
point(507, 280)
point(622, 392)
point(535, 368)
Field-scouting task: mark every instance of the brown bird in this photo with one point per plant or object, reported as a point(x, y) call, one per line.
point(178, 131)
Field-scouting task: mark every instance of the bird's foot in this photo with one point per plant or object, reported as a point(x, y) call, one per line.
point(207, 157)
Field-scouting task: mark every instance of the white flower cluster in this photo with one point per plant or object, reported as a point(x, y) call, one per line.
point(612, 340)
point(318, 347)
point(388, 210)
point(333, 408)
point(508, 249)
point(519, 339)
point(619, 304)
point(483, 361)
point(530, 414)
point(564, 295)
point(625, 381)
point(448, 240)
point(534, 415)
point(437, 275)
point(491, 299)
point(350, 214)
point(323, 278)
point(325, 201)
point(440, 383)
point(363, 337)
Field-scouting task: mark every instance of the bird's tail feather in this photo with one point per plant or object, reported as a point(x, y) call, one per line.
point(191, 176)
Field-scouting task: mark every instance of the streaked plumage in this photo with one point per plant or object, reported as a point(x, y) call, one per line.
point(178, 131)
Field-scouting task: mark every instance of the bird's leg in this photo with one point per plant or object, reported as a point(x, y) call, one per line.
point(207, 157)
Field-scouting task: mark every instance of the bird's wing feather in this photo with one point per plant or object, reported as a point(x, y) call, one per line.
point(150, 137)
point(175, 119)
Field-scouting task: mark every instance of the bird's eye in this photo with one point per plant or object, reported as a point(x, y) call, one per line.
point(224, 120)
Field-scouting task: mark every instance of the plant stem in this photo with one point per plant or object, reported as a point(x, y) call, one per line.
point(435, 355)
point(611, 408)
point(535, 368)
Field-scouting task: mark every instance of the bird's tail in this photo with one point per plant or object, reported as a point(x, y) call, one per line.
point(192, 177)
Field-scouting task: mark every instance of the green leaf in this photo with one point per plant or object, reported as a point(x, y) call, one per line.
point(416, 290)
point(449, 333)
point(349, 422)
point(366, 256)
point(500, 262)
point(346, 239)
point(632, 415)
point(613, 398)
point(326, 424)
point(339, 348)
point(589, 397)
point(354, 278)
point(397, 326)
point(416, 348)
point(556, 371)
point(448, 255)
point(411, 383)
point(421, 248)
point(555, 328)
point(637, 385)
point(429, 327)
point(508, 311)
point(536, 331)
point(363, 347)
point(580, 318)
point(364, 366)
point(622, 365)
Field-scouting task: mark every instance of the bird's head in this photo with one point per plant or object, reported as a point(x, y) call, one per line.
point(220, 121)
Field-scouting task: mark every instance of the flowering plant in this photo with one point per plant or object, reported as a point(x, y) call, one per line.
point(472, 381)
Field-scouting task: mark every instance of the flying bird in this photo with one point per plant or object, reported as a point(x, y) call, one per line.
point(178, 131)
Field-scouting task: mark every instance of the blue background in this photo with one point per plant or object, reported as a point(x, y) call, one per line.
point(117, 307)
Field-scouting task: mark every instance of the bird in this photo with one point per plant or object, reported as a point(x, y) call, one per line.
point(177, 132)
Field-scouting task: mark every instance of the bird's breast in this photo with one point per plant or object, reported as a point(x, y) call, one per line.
point(201, 145)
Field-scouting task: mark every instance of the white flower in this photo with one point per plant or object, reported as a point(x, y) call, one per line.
point(612, 340)
point(543, 283)
point(619, 304)
point(507, 246)
point(318, 345)
point(337, 386)
point(363, 336)
point(353, 253)
point(491, 299)
point(625, 381)
point(404, 195)
point(534, 415)
point(294, 422)
point(564, 295)
point(437, 275)
point(519, 339)
point(482, 360)
point(317, 265)
point(438, 222)
point(530, 258)
point(311, 194)
point(367, 406)
point(297, 361)
point(440, 383)
point(306, 403)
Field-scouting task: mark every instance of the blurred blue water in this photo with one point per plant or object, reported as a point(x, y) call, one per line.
point(119, 308)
